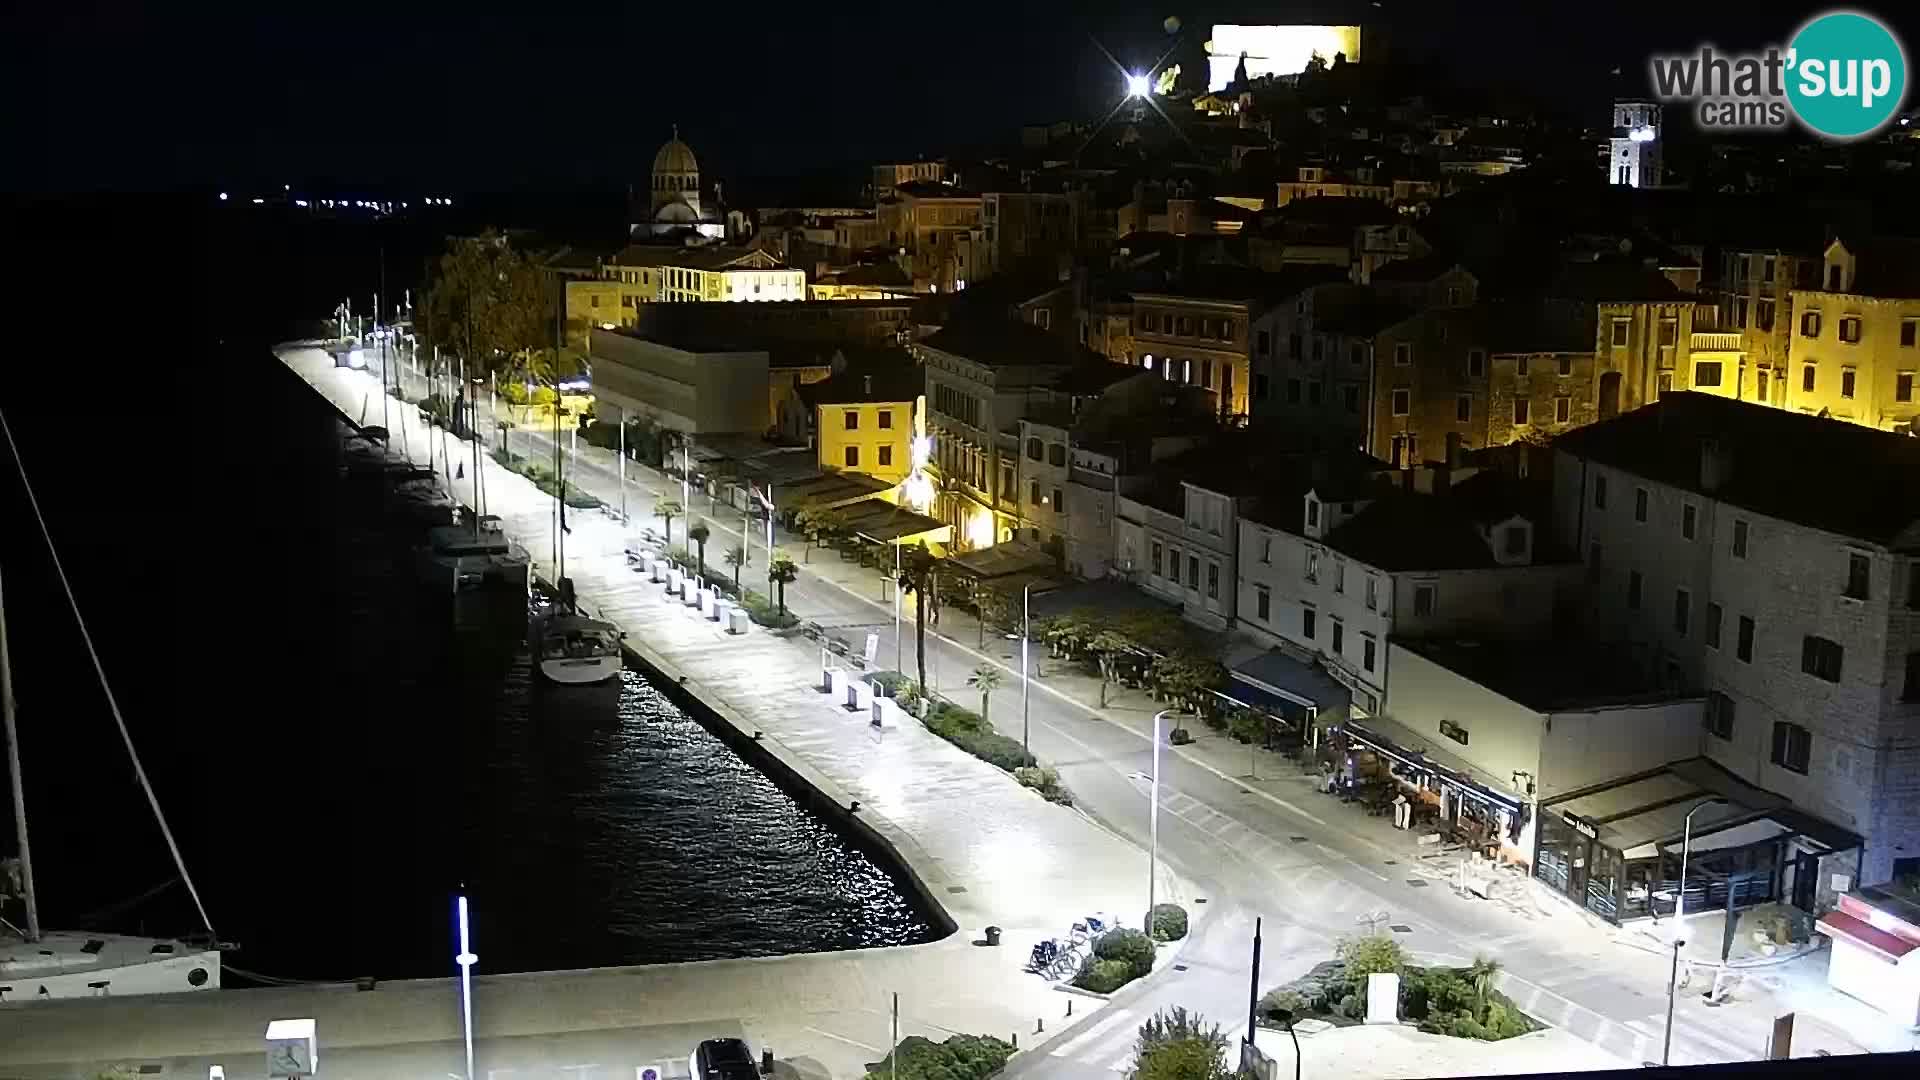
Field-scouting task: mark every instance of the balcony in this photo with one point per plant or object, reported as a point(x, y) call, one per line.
point(1090, 478)
point(1715, 341)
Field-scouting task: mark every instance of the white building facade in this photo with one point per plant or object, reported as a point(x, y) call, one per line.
point(1737, 557)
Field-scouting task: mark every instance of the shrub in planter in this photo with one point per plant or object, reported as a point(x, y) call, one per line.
point(1283, 1000)
point(1364, 956)
point(995, 749)
point(1130, 946)
point(1169, 922)
point(1217, 723)
point(960, 1057)
point(1104, 976)
point(1046, 781)
point(1180, 736)
point(1352, 1007)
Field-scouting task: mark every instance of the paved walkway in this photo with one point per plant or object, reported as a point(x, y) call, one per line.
point(986, 850)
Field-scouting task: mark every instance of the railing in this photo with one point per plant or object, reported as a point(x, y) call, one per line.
point(1100, 480)
point(1716, 342)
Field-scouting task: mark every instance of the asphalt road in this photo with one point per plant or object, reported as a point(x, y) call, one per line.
point(1294, 861)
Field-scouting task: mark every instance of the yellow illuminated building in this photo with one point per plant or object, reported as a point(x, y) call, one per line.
point(662, 273)
point(1854, 351)
point(865, 420)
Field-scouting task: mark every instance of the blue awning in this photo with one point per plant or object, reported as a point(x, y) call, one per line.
point(1278, 683)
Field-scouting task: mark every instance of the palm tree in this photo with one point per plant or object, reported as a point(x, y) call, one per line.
point(735, 557)
point(782, 573)
point(986, 680)
point(1482, 974)
point(917, 577)
point(698, 534)
point(666, 510)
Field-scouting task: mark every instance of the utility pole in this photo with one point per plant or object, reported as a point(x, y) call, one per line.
point(1253, 983)
point(1153, 820)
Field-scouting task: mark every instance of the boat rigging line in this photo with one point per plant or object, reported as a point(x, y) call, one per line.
point(113, 703)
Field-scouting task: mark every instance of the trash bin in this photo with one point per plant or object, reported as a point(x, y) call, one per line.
point(993, 935)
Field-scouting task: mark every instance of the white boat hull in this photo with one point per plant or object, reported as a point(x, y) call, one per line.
point(581, 671)
point(127, 968)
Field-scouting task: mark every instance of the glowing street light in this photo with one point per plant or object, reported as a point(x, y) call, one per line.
point(1138, 85)
point(466, 959)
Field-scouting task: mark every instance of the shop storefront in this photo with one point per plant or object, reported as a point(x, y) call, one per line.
point(1615, 848)
point(1443, 792)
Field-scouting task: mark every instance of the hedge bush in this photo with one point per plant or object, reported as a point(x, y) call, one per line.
point(1131, 946)
point(959, 1057)
point(1046, 781)
point(965, 729)
point(762, 611)
point(1169, 922)
point(1283, 1000)
point(1104, 976)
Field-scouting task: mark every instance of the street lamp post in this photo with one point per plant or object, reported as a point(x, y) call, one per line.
point(1679, 930)
point(897, 655)
point(1153, 821)
point(1026, 689)
point(466, 959)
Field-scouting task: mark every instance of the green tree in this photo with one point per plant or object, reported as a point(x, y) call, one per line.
point(782, 572)
point(918, 576)
point(1107, 647)
point(699, 534)
point(986, 680)
point(487, 301)
point(736, 557)
point(1369, 955)
point(666, 509)
point(822, 525)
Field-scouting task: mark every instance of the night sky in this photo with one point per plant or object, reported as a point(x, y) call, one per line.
point(143, 96)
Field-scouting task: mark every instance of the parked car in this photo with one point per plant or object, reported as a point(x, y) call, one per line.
point(723, 1059)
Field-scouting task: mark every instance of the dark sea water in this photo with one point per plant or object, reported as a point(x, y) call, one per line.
point(337, 752)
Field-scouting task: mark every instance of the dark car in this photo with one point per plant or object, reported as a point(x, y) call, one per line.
point(724, 1059)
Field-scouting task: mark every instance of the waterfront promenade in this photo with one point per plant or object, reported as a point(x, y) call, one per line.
point(987, 852)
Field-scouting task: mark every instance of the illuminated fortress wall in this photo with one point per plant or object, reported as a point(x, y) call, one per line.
point(1275, 50)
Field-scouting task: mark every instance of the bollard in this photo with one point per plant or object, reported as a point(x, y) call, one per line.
point(1016, 1040)
point(1039, 1025)
point(766, 1062)
point(1069, 1006)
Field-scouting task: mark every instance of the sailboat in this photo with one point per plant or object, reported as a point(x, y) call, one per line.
point(45, 965)
point(570, 649)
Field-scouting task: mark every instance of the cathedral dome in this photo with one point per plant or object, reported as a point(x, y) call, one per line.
point(675, 157)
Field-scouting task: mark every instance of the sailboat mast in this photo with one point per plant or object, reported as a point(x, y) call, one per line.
point(559, 460)
point(19, 791)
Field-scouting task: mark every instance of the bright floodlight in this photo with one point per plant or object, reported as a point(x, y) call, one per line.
point(1137, 86)
point(1641, 134)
